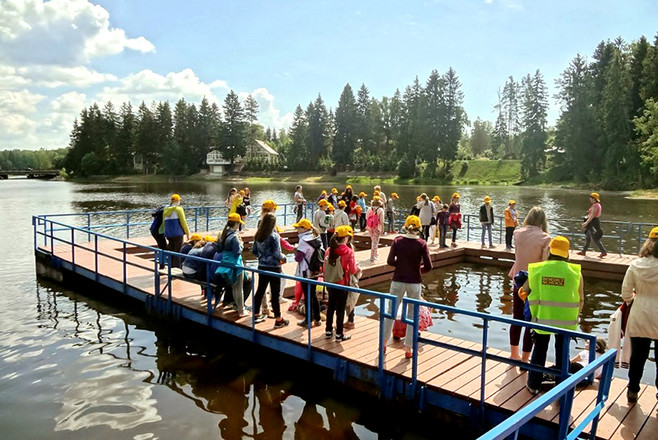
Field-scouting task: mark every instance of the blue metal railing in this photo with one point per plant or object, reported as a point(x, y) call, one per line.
point(510, 428)
point(58, 232)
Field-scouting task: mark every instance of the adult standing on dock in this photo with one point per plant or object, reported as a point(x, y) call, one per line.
point(425, 213)
point(305, 250)
point(381, 194)
point(455, 221)
point(174, 227)
point(592, 226)
point(321, 221)
point(267, 247)
point(155, 230)
point(299, 200)
point(231, 247)
point(639, 288)
point(486, 220)
point(410, 256)
point(555, 299)
point(511, 222)
point(390, 212)
point(532, 246)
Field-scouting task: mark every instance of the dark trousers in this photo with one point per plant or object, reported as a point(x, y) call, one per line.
point(337, 301)
point(509, 233)
point(325, 242)
point(275, 287)
point(594, 233)
point(539, 356)
point(425, 233)
point(300, 212)
point(443, 231)
point(454, 234)
point(390, 218)
point(174, 244)
point(639, 353)
point(362, 221)
point(515, 330)
point(162, 243)
point(311, 302)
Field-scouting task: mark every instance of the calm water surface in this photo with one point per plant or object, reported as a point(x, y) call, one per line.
point(73, 365)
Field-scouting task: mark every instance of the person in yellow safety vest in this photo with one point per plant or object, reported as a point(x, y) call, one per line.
point(555, 299)
point(174, 227)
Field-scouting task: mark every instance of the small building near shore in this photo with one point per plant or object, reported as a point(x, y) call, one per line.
point(260, 151)
point(217, 164)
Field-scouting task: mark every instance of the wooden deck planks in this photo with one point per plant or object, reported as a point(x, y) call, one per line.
point(448, 370)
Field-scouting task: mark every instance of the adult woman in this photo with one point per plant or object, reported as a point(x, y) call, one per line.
point(592, 226)
point(511, 222)
point(532, 246)
point(174, 227)
point(434, 230)
point(230, 199)
point(410, 257)
point(338, 297)
point(425, 213)
point(308, 240)
point(639, 288)
point(455, 221)
point(267, 248)
point(231, 247)
point(375, 226)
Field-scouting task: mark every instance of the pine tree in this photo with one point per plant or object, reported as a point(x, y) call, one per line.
point(363, 127)
point(318, 128)
point(298, 152)
point(535, 107)
point(455, 118)
point(146, 142)
point(234, 136)
point(125, 146)
point(345, 136)
point(500, 135)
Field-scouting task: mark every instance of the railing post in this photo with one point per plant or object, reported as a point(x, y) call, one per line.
point(127, 224)
point(309, 318)
point(96, 256)
point(88, 226)
point(483, 367)
point(52, 239)
point(125, 270)
point(567, 399)
point(209, 294)
point(414, 359)
point(73, 248)
point(207, 219)
point(196, 217)
point(468, 227)
point(285, 215)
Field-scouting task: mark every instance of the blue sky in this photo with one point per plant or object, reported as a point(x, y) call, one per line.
point(61, 55)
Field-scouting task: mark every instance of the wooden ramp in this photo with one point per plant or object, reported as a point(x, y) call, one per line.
point(443, 371)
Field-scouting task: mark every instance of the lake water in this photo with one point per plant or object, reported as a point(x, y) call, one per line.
point(75, 366)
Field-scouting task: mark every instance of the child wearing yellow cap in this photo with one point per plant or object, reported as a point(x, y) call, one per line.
point(455, 221)
point(309, 240)
point(375, 226)
point(487, 220)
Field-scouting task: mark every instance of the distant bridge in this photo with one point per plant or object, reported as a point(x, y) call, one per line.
point(30, 173)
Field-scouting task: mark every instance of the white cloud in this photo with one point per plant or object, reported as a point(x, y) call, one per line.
point(10, 79)
point(15, 124)
point(55, 76)
point(268, 114)
point(56, 125)
point(60, 32)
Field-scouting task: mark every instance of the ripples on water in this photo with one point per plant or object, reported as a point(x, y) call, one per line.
point(76, 367)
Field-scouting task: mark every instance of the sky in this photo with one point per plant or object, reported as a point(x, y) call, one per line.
point(59, 56)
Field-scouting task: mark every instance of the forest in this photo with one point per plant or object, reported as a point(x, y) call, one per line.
point(606, 133)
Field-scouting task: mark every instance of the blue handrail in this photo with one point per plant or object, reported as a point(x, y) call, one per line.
point(165, 257)
point(512, 425)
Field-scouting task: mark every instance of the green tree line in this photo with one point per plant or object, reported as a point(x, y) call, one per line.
point(35, 159)
point(606, 131)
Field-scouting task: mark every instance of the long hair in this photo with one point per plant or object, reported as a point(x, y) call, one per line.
point(333, 245)
point(649, 248)
point(424, 197)
point(536, 217)
point(266, 227)
point(229, 225)
point(230, 193)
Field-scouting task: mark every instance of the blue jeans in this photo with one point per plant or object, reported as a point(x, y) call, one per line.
point(486, 227)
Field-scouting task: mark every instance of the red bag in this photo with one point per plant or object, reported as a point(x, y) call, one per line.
point(424, 322)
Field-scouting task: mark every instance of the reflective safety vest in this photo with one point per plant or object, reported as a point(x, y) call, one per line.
point(554, 294)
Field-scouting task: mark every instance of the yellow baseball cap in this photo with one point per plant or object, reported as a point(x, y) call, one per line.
point(330, 207)
point(210, 238)
point(511, 202)
point(334, 191)
point(270, 204)
point(303, 223)
point(395, 195)
point(323, 202)
point(344, 231)
point(654, 233)
point(362, 194)
point(342, 204)
point(487, 199)
point(175, 197)
point(595, 196)
point(348, 187)
point(412, 222)
point(195, 237)
point(455, 195)
point(436, 199)
point(376, 192)
point(560, 246)
point(324, 191)
point(235, 217)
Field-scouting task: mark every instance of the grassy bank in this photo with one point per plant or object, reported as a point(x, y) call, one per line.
point(645, 194)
